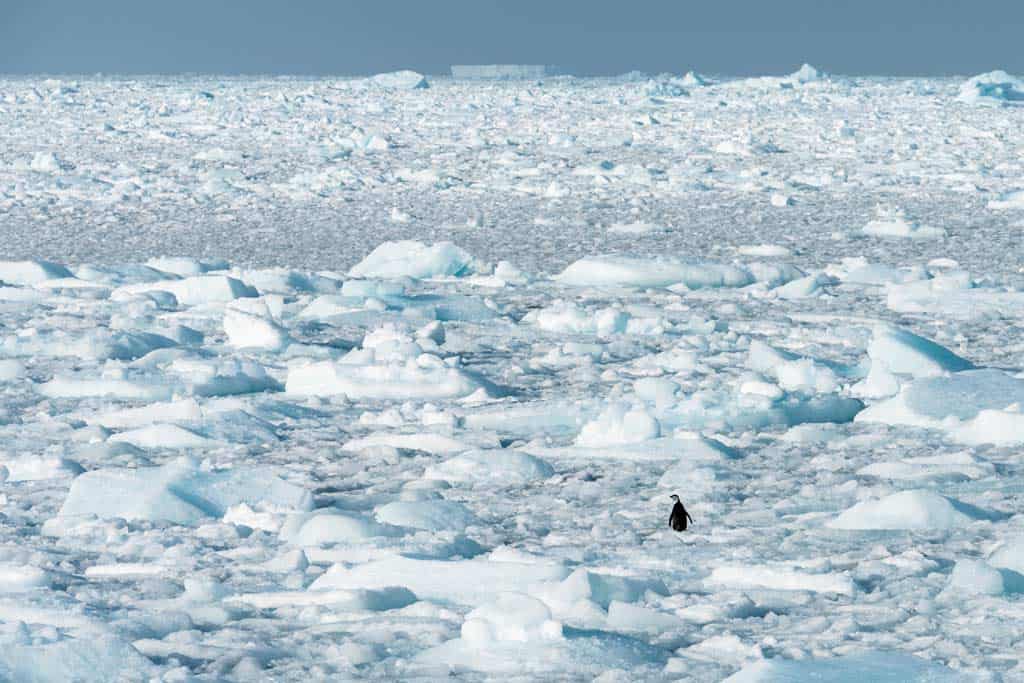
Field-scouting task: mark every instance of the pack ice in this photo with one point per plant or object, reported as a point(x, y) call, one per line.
point(381, 379)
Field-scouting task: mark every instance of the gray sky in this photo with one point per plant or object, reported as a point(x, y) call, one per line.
point(898, 37)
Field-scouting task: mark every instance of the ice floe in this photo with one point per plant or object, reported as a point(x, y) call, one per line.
point(177, 492)
point(635, 272)
point(413, 259)
point(874, 666)
point(918, 509)
point(993, 87)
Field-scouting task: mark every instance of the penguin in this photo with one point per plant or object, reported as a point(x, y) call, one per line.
point(677, 520)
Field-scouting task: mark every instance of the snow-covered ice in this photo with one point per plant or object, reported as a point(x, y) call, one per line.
point(501, 71)
point(881, 666)
point(916, 509)
point(388, 379)
point(639, 272)
point(894, 224)
point(994, 87)
point(400, 80)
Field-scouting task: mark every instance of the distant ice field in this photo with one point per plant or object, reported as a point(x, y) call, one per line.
point(393, 379)
point(307, 173)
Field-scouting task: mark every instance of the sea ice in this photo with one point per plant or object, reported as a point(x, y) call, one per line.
point(905, 353)
point(994, 87)
point(890, 223)
point(636, 272)
point(946, 402)
point(777, 578)
point(883, 667)
point(469, 472)
point(194, 291)
point(400, 80)
point(429, 515)
point(463, 582)
point(89, 658)
point(325, 527)
point(413, 259)
point(31, 272)
point(491, 468)
point(501, 71)
point(919, 509)
point(619, 423)
point(248, 329)
point(383, 382)
point(178, 492)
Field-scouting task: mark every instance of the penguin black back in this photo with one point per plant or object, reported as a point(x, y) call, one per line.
point(679, 517)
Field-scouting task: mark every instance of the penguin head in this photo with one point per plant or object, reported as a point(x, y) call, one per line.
point(674, 497)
